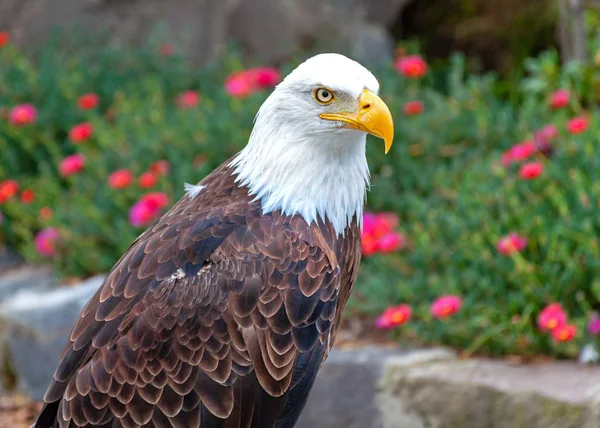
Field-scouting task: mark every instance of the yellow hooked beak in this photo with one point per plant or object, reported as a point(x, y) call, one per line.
point(373, 117)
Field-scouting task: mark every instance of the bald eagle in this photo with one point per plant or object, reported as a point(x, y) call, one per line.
point(221, 313)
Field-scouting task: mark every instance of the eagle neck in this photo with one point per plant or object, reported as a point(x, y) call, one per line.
point(319, 177)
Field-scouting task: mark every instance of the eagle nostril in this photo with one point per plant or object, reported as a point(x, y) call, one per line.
point(366, 106)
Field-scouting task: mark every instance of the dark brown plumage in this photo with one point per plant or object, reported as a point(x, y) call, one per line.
point(216, 317)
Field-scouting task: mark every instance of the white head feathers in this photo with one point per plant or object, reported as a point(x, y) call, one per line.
point(299, 163)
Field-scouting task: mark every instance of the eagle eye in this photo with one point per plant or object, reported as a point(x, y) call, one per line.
point(323, 95)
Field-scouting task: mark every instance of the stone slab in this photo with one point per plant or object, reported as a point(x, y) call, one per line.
point(35, 326)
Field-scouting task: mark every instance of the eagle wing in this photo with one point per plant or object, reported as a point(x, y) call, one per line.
point(215, 317)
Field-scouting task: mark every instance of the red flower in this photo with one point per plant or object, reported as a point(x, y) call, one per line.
point(28, 196)
point(4, 38)
point(413, 108)
point(166, 49)
point(45, 242)
point(560, 98)
point(120, 179)
point(155, 200)
point(552, 317)
point(394, 316)
point(510, 244)
point(147, 208)
point(81, 132)
point(370, 245)
point(23, 114)
point(188, 99)
point(445, 306)
point(578, 125)
point(88, 101)
point(531, 170)
point(160, 167)
point(147, 179)
point(239, 85)
point(565, 333)
point(412, 66)
point(8, 189)
point(71, 164)
point(46, 213)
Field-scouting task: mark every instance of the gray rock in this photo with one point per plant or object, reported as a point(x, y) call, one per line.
point(484, 393)
point(345, 394)
point(35, 326)
point(24, 278)
point(270, 31)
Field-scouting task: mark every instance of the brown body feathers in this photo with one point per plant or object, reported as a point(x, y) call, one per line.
point(216, 316)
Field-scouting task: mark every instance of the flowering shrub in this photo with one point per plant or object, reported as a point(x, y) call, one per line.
point(483, 214)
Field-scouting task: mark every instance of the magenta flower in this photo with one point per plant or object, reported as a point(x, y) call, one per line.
point(45, 242)
point(594, 324)
point(147, 208)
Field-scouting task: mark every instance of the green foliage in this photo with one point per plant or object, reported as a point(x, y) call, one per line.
point(443, 178)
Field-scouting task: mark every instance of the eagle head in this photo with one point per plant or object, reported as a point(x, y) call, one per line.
point(306, 153)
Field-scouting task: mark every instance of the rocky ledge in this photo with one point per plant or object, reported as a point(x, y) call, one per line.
point(368, 387)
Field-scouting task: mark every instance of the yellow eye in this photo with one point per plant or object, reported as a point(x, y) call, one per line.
point(323, 95)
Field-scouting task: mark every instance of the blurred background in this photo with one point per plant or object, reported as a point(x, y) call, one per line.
point(481, 238)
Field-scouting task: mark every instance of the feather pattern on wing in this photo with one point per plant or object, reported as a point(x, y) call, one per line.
point(217, 316)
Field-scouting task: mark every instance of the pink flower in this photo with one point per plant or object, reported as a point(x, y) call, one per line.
point(546, 133)
point(518, 153)
point(531, 170)
point(120, 179)
point(81, 132)
point(394, 316)
point(265, 77)
point(578, 125)
point(188, 99)
point(45, 242)
point(378, 234)
point(594, 325)
point(560, 98)
point(239, 85)
point(243, 83)
point(23, 114)
point(551, 317)
point(565, 333)
point(391, 242)
point(147, 208)
point(512, 243)
point(71, 164)
point(141, 214)
point(412, 66)
point(88, 101)
point(445, 306)
point(413, 108)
